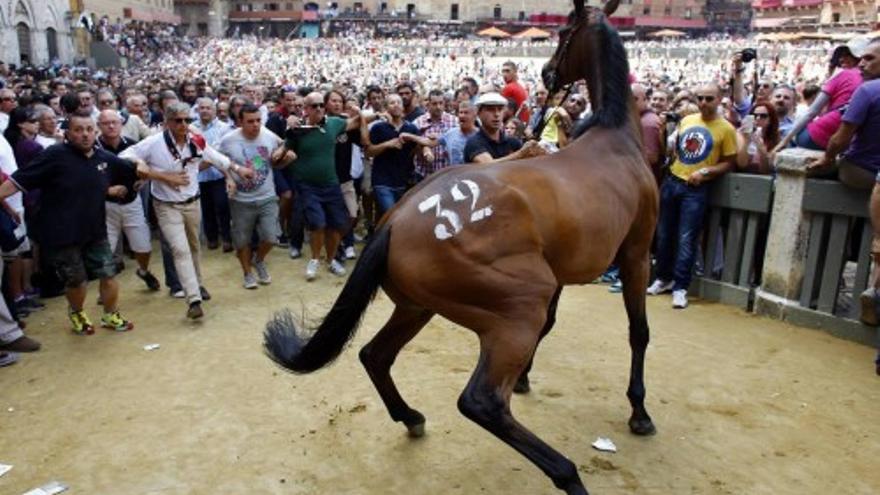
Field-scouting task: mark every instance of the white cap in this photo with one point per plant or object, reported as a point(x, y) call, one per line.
point(858, 45)
point(491, 99)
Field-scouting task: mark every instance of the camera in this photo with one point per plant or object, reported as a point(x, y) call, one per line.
point(672, 117)
point(748, 55)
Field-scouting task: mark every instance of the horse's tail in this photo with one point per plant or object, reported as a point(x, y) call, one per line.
point(287, 344)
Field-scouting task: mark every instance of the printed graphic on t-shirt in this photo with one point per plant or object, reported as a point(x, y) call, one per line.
point(695, 145)
point(256, 158)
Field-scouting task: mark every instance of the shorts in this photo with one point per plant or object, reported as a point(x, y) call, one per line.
point(282, 185)
point(131, 220)
point(79, 263)
point(324, 206)
point(247, 215)
point(350, 197)
point(25, 245)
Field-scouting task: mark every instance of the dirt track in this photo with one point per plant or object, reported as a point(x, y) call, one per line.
point(743, 405)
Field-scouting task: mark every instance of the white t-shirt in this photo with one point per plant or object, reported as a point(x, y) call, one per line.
point(8, 166)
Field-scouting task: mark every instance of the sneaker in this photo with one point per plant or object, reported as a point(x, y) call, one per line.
point(206, 296)
point(869, 300)
point(114, 321)
point(250, 282)
point(149, 279)
point(81, 323)
point(616, 287)
point(295, 253)
point(195, 310)
point(262, 273)
point(212, 245)
point(8, 358)
point(660, 287)
point(30, 304)
point(227, 247)
point(283, 241)
point(679, 299)
point(350, 253)
point(21, 344)
point(312, 269)
point(336, 268)
point(177, 294)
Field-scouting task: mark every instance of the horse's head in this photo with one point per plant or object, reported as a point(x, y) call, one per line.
point(575, 51)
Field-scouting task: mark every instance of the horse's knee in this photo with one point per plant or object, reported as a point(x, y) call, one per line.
point(639, 335)
point(481, 407)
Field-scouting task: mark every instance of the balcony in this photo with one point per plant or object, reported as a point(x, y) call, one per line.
point(266, 15)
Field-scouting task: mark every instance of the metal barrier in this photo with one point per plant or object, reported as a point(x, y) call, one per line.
point(738, 217)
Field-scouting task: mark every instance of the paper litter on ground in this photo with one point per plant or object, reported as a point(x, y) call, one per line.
point(604, 444)
point(4, 468)
point(50, 488)
point(151, 347)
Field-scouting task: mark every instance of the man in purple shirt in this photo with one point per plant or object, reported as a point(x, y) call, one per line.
point(860, 163)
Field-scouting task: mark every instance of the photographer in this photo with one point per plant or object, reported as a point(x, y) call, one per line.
point(741, 101)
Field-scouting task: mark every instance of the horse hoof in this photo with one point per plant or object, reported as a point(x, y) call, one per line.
point(416, 430)
point(642, 427)
point(522, 386)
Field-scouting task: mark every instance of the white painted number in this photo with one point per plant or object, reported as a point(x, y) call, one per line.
point(443, 231)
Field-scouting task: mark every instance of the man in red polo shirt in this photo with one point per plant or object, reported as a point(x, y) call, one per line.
point(513, 90)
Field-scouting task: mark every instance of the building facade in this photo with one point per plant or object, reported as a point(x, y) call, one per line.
point(203, 17)
point(805, 15)
point(128, 10)
point(35, 31)
point(279, 16)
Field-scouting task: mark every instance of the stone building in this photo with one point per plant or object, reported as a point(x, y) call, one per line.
point(35, 31)
point(806, 15)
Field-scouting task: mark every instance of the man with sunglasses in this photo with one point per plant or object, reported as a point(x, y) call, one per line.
point(313, 140)
point(182, 153)
point(706, 150)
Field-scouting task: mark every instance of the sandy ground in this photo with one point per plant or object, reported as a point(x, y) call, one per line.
point(743, 405)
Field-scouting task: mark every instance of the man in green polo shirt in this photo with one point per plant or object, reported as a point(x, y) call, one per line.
point(314, 175)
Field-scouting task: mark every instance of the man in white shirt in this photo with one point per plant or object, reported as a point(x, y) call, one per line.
point(8, 102)
point(178, 211)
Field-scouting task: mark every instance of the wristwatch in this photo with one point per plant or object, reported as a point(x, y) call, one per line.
point(704, 172)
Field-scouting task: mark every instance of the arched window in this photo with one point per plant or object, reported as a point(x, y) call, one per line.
point(24, 41)
point(52, 43)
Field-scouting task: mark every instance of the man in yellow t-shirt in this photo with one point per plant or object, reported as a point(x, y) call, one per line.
point(705, 150)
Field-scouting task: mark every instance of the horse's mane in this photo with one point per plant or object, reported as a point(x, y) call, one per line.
point(613, 111)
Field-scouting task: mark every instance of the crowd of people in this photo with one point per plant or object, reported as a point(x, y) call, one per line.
point(247, 144)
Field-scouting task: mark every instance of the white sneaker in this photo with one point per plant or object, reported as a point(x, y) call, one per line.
point(679, 299)
point(350, 253)
point(295, 253)
point(660, 287)
point(249, 281)
point(312, 269)
point(262, 273)
point(337, 269)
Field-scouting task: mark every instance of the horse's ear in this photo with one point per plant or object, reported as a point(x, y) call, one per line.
point(578, 7)
point(610, 7)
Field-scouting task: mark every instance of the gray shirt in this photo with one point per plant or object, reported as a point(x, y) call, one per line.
point(254, 154)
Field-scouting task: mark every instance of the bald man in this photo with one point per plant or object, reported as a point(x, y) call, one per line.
point(705, 150)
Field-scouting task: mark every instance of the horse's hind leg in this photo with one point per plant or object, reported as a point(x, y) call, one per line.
point(634, 272)
point(522, 384)
point(379, 354)
point(504, 353)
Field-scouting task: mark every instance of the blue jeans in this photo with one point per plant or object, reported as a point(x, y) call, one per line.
point(682, 209)
point(386, 196)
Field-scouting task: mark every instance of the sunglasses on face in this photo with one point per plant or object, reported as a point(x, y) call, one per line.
point(315, 105)
point(761, 115)
point(707, 99)
point(186, 120)
point(106, 102)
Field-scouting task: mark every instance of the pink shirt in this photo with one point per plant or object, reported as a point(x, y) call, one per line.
point(840, 89)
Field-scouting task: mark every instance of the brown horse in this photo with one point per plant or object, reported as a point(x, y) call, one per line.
point(490, 246)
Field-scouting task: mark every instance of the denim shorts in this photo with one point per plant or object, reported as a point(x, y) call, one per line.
point(324, 206)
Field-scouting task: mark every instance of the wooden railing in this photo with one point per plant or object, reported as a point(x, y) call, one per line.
point(737, 221)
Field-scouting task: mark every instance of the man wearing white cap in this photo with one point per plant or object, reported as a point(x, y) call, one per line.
point(490, 144)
